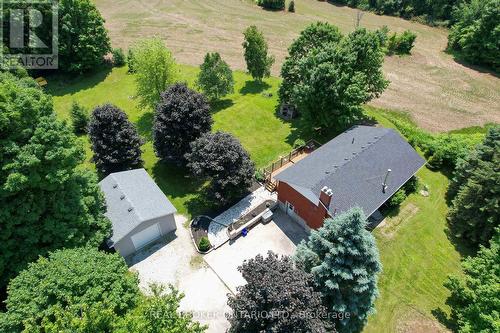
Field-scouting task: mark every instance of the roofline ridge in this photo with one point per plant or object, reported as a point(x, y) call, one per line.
point(357, 155)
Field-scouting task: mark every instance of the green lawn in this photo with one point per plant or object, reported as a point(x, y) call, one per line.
point(415, 252)
point(249, 114)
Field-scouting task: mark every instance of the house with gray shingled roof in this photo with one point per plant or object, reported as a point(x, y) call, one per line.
point(139, 211)
point(364, 166)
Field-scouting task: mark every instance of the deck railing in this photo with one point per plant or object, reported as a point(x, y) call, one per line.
point(268, 171)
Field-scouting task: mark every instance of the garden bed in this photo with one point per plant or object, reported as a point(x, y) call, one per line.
point(251, 215)
point(199, 230)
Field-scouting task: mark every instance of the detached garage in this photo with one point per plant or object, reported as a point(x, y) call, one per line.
point(138, 209)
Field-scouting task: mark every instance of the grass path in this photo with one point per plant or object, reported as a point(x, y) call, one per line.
point(440, 93)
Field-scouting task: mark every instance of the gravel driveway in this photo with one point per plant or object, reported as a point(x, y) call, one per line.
point(174, 260)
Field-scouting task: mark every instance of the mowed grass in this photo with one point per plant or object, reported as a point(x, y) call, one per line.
point(249, 114)
point(440, 93)
point(415, 252)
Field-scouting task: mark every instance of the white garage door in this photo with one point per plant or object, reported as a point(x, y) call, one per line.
point(146, 236)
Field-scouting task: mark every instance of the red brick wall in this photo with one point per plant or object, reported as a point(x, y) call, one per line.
point(309, 212)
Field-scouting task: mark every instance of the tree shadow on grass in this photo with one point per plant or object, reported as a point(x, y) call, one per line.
point(459, 58)
point(220, 105)
point(443, 318)
point(63, 84)
point(254, 87)
point(145, 125)
point(175, 181)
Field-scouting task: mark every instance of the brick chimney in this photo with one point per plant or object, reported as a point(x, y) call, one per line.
point(325, 196)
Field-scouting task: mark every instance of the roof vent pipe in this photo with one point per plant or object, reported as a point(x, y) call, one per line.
point(352, 141)
point(384, 185)
point(122, 197)
point(130, 209)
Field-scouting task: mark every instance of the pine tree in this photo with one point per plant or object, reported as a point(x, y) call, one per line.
point(115, 141)
point(475, 189)
point(344, 261)
point(79, 118)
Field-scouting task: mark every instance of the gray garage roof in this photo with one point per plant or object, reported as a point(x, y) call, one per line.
point(132, 197)
point(354, 165)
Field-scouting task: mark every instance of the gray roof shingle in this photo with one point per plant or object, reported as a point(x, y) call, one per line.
point(354, 165)
point(132, 197)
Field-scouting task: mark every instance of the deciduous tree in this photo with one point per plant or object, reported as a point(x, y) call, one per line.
point(155, 70)
point(46, 201)
point(73, 278)
point(282, 294)
point(220, 158)
point(338, 78)
point(343, 258)
point(475, 297)
point(215, 78)
point(115, 141)
point(255, 47)
point(181, 116)
point(314, 36)
point(476, 32)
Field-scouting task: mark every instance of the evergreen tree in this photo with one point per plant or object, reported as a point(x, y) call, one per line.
point(115, 141)
point(220, 158)
point(181, 116)
point(71, 278)
point(255, 47)
point(215, 78)
point(343, 258)
point(314, 36)
point(79, 118)
point(475, 298)
point(475, 189)
point(46, 201)
point(280, 292)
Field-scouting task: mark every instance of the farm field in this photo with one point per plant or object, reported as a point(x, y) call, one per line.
point(439, 93)
point(415, 252)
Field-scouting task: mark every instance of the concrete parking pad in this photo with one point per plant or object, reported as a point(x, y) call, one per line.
point(281, 236)
point(174, 260)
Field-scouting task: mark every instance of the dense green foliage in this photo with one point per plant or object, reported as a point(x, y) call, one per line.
point(220, 158)
point(115, 141)
point(475, 299)
point(315, 35)
point(159, 313)
point(433, 12)
point(155, 70)
point(215, 78)
point(46, 201)
point(476, 32)
point(255, 47)
point(79, 118)
point(68, 278)
point(118, 57)
point(131, 61)
point(181, 116)
point(344, 261)
point(401, 43)
point(204, 244)
point(336, 79)
point(282, 294)
point(475, 189)
point(272, 4)
point(82, 39)
point(441, 150)
point(397, 198)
